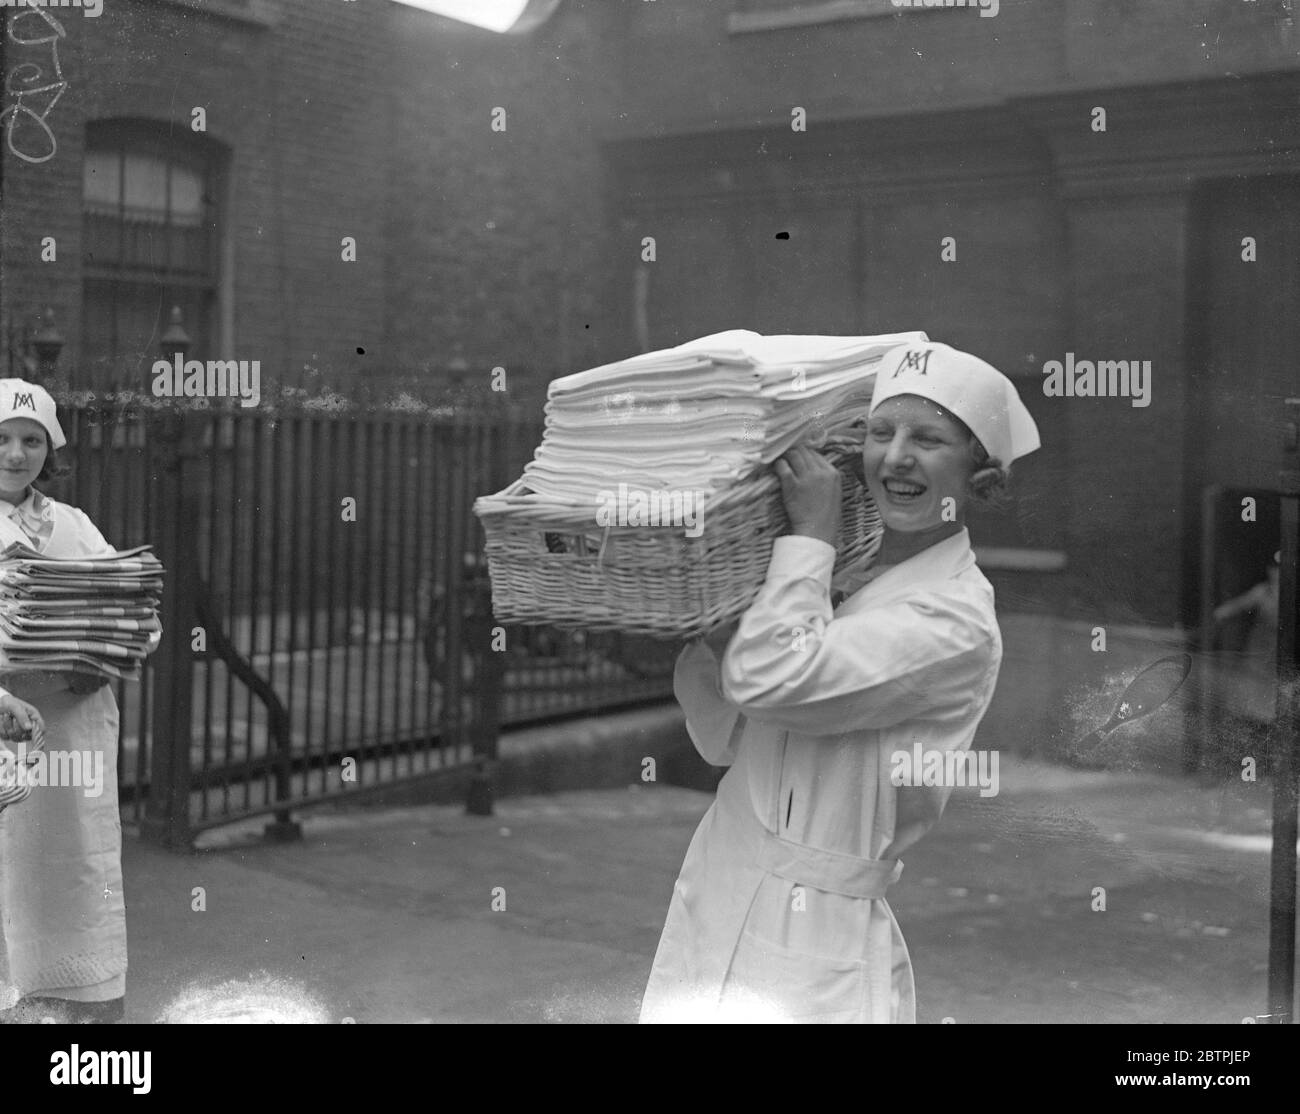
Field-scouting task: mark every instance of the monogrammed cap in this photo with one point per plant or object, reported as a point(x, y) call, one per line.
point(965, 386)
point(21, 399)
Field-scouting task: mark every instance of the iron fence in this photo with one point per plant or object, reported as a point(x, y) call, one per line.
point(327, 620)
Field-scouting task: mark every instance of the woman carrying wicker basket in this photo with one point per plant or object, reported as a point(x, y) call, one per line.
point(779, 911)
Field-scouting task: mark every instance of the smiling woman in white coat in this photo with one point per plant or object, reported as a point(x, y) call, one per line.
point(62, 916)
point(779, 912)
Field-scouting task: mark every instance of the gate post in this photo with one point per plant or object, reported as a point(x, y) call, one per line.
point(1286, 767)
point(167, 814)
point(489, 668)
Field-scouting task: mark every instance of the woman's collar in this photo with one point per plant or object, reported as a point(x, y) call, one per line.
point(39, 504)
point(35, 506)
point(941, 561)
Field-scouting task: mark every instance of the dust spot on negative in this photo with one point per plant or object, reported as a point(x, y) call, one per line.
point(259, 999)
point(783, 235)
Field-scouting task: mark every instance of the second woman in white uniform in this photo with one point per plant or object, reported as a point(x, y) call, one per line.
point(62, 914)
point(779, 912)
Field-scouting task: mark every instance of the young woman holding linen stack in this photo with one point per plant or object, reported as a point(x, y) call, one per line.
point(62, 915)
point(779, 911)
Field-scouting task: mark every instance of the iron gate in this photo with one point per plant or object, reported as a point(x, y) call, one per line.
point(327, 618)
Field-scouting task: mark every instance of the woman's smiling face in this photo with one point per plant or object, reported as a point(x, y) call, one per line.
point(915, 456)
point(23, 449)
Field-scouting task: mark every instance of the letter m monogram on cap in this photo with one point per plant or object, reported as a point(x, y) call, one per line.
point(915, 360)
point(24, 399)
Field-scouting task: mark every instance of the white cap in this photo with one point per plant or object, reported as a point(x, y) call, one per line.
point(21, 399)
point(965, 386)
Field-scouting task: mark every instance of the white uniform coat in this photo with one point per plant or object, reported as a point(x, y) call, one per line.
point(779, 911)
point(62, 917)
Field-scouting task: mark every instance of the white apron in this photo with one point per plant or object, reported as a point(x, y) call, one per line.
point(62, 915)
point(779, 912)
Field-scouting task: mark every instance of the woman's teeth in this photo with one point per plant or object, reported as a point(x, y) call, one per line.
point(901, 489)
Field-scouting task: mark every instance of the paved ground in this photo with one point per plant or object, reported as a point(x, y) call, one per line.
point(387, 914)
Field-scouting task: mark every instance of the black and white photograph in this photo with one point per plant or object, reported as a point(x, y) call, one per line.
point(639, 512)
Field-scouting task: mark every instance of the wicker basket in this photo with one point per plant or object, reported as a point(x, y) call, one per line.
point(551, 564)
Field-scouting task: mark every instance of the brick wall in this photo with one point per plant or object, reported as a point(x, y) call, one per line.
point(304, 164)
point(497, 236)
point(927, 59)
point(898, 62)
point(366, 120)
point(1129, 42)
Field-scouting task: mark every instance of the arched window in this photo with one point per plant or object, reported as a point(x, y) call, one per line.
point(151, 241)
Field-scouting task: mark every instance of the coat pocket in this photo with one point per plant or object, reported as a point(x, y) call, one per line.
point(772, 982)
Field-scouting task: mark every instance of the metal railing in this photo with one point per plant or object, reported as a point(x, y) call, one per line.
point(327, 623)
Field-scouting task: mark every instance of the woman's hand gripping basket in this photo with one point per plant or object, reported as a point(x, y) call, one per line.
point(554, 564)
point(18, 752)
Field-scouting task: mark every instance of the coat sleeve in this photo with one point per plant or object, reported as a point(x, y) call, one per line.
point(713, 723)
point(794, 666)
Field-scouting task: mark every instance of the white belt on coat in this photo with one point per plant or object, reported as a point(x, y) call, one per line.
point(827, 870)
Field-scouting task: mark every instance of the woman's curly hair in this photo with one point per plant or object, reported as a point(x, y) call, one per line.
point(990, 482)
point(53, 468)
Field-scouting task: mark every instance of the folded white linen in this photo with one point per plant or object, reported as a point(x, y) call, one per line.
point(701, 415)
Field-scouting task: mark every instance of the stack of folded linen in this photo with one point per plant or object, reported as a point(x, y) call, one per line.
point(702, 415)
point(97, 615)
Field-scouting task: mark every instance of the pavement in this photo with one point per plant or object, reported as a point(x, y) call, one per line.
point(1070, 896)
